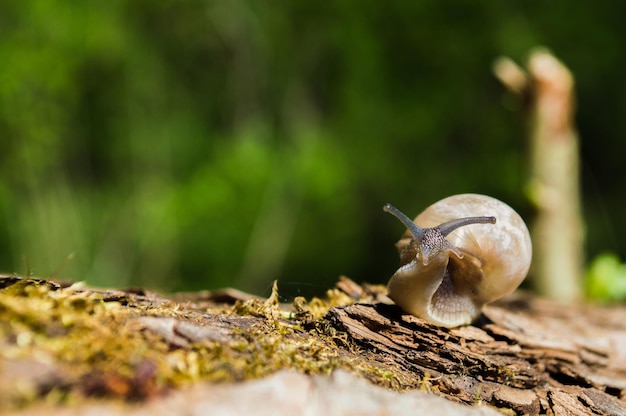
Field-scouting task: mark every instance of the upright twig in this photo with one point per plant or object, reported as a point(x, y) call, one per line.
point(554, 179)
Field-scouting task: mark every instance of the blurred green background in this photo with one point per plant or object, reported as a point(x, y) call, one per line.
point(183, 145)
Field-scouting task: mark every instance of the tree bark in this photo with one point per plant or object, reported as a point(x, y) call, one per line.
point(524, 355)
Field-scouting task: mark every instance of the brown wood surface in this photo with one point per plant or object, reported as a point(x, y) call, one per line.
point(524, 356)
point(527, 355)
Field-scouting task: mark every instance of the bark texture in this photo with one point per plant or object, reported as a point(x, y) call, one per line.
point(524, 356)
point(527, 355)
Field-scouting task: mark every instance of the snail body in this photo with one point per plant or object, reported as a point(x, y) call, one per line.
point(457, 255)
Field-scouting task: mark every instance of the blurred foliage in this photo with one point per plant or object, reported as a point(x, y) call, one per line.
point(606, 278)
point(203, 143)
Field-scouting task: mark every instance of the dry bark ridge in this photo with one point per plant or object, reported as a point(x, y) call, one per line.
point(525, 355)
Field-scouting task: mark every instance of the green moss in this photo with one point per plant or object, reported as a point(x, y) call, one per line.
point(507, 373)
point(97, 347)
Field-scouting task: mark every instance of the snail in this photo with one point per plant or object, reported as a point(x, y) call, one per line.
point(452, 262)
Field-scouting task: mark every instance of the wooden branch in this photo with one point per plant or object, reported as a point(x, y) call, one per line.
point(558, 236)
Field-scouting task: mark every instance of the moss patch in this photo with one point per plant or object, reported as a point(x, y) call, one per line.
point(66, 343)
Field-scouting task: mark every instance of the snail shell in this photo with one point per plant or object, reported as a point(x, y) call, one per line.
point(459, 254)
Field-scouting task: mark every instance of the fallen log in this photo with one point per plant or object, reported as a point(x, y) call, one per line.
point(62, 345)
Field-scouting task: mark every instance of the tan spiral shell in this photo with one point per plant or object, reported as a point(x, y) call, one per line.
point(450, 291)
